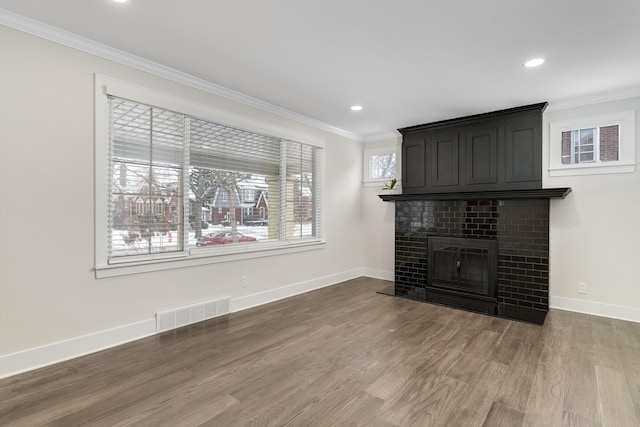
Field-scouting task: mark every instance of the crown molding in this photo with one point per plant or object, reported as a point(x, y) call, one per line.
point(393, 134)
point(56, 35)
point(598, 98)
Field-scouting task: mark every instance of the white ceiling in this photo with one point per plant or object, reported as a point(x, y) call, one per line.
point(406, 62)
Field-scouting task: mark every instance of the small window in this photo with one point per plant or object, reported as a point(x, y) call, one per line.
point(382, 166)
point(593, 145)
point(379, 164)
point(599, 144)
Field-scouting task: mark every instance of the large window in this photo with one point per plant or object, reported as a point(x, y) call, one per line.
point(593, 145)
point(182, 187)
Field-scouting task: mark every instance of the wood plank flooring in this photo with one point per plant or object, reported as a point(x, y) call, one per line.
point(346, 356)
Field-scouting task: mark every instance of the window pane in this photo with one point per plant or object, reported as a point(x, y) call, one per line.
point(578, 146)
point(226, 211)
point(146, 167)
point(566, 148)
point(382, 166)
point(609, 143)
point(586, 157)
point(233, 175)
point(587, 136)
point(300, 191)
point(587, 140)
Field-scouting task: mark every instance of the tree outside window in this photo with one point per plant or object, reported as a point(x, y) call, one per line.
point(211, 175)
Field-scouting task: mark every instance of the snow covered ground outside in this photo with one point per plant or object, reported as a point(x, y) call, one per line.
point(168, 243)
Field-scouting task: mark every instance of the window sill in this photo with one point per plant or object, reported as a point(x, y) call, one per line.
point(596, 169)
point(204, 256)
point(378, 182)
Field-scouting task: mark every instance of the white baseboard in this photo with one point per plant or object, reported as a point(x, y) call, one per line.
point(34, 358)
point(378, 274)
point(38, 357)
point(620, 312)
point(243, 303)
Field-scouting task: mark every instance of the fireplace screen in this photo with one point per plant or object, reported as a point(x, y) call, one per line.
point(462, 265)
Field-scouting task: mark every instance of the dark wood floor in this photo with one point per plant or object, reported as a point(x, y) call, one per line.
point(346, 356)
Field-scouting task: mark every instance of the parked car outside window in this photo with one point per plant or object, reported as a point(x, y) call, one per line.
point(222, 238)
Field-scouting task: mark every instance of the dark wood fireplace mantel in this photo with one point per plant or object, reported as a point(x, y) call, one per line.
point(542, 193)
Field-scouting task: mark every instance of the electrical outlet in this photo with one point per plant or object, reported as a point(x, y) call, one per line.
point(582, 288)
point(244, 281)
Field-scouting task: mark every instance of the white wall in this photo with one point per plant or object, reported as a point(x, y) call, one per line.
point(48, 290)
point(595, 231)
point(378, 220)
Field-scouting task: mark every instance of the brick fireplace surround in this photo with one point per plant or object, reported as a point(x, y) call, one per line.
point(521, 227)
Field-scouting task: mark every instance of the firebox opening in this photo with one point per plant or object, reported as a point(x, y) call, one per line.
point(462, 272)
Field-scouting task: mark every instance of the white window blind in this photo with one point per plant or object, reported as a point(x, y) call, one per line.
point(302, 219)
point(147, 161)
point(178, 183)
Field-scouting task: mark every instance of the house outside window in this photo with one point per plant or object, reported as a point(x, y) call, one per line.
point(599, 144)
point(593, 145)
point(159, 204)
point(159, 156)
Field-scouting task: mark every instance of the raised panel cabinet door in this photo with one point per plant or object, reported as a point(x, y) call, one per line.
point(523, 159)
point(413, 164)
point(481, 154)
point(444, 160)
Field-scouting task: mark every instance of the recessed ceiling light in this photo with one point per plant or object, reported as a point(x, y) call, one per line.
point(356, 107)
point(534, 62)
point(120, 1)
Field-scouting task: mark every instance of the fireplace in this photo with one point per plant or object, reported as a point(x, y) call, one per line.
point(472, 222)
point(462, 272)
point(486, 252)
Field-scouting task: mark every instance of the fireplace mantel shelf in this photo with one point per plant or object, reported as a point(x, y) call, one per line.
point(542, 193)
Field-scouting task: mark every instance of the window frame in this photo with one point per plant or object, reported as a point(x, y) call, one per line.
point(625, 120)
point(105, 86)
point(368, 153)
